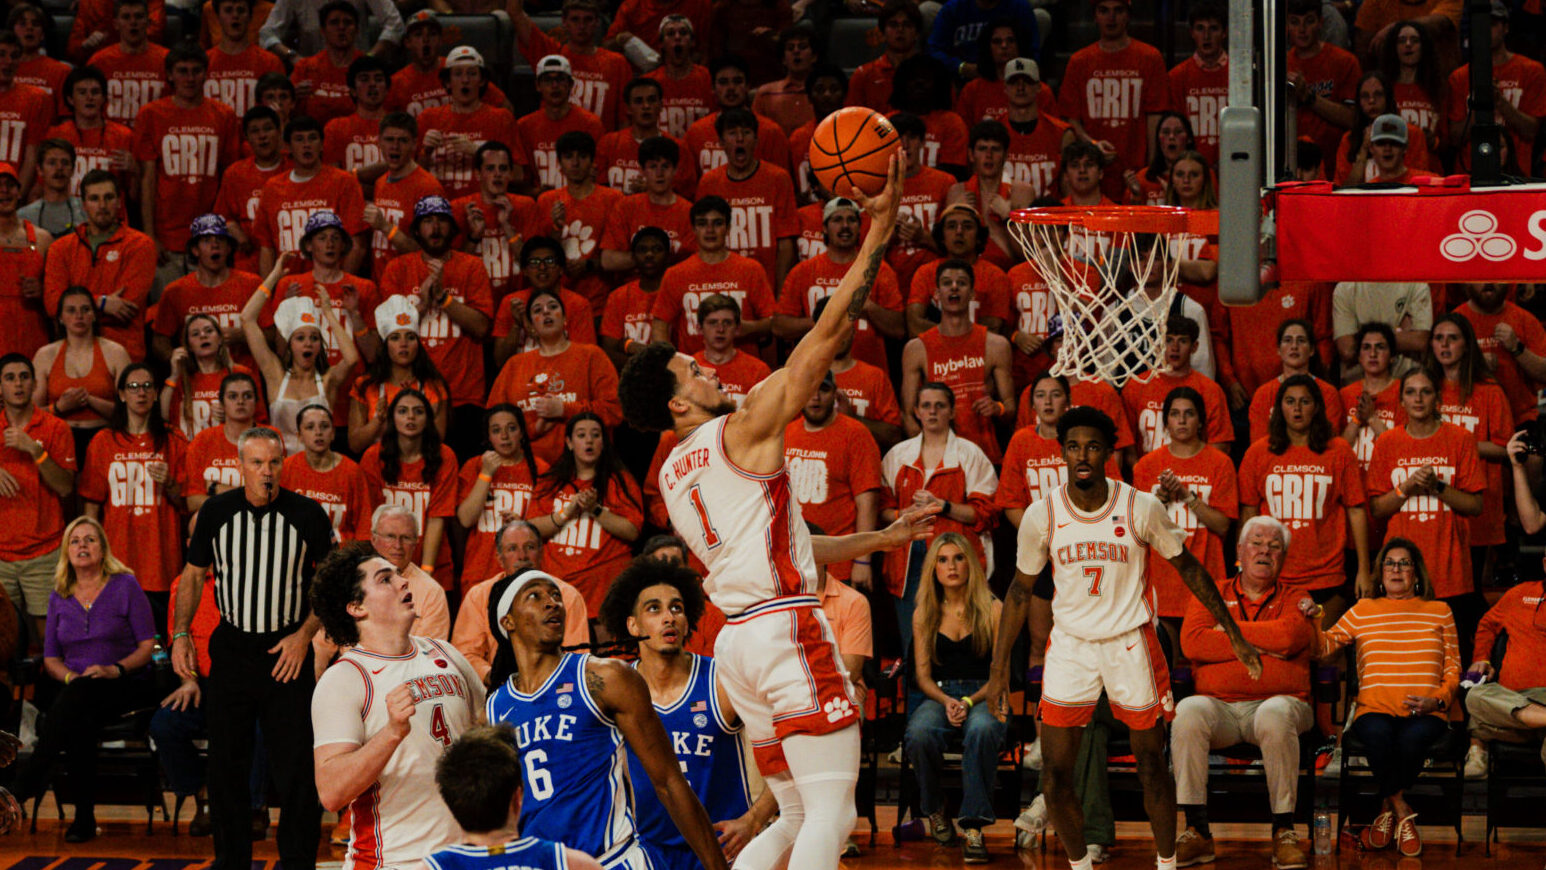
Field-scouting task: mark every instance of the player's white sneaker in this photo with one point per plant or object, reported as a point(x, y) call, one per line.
point(1031, 826)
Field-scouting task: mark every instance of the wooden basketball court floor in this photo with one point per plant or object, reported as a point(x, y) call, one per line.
point(124, 845)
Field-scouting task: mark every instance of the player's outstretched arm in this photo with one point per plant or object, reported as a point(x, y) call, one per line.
point(1197, 579)
point(912, 523)
point(624, 696)
point(779, 398)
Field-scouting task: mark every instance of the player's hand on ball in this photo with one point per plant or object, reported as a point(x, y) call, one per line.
point(10, 812)
point(1248, 656)
point(883, 205)
point(400, 705)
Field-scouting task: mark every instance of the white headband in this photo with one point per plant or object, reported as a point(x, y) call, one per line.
point(507, 598)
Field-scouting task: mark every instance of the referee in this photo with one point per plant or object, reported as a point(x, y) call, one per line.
point(263, 544)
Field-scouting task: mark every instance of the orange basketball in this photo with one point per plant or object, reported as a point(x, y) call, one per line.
point(852, 148)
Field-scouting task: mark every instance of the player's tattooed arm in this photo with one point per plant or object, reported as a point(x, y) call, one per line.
point(594, 682)
point(866, 283)
point(1196, 578)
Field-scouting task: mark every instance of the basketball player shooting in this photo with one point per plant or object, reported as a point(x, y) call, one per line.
point(728, 495)
point(1098, 533)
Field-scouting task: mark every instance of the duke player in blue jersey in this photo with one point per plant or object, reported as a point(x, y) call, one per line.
point(572, 715)
point(659, 604)
point(480, 781)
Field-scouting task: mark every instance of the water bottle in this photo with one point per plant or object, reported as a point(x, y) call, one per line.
point(158, 655)
point(1321, 830)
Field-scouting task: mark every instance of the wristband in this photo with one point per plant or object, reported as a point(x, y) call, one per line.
point(485, 477)
point(41, 458)
point(122, 671)
point(1439, 487)
point(865, 562)
point(171, 382)
point(180, 634)
point(68, 677)
point(1000, 406)
point(513, 239)
point(1518, 348)
point(263, 288)
point(360, 332)
point(428, 569)
point(392, 232)
point(556, 518)
point(944, 510)
point(102, 304)
point(965, 699)
point(628, 344)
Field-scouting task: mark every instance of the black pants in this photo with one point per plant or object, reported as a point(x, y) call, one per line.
point(242, 694)
point(1396, 747)
point(73, 725)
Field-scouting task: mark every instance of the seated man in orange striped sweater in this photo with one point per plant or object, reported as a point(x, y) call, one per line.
point(1231, 708)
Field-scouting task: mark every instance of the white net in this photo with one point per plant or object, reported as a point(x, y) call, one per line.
point(1111, 286)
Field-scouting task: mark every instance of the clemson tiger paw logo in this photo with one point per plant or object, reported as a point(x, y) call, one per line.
point(838, 709)
point(578, 241)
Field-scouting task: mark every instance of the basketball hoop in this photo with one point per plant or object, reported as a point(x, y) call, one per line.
point(1104, 264)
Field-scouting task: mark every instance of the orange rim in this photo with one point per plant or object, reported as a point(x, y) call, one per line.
point(1123, 218)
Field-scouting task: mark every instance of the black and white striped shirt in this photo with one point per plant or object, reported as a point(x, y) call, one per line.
point(263, 557)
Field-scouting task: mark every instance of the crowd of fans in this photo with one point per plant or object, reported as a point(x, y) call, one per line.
point(429, 297)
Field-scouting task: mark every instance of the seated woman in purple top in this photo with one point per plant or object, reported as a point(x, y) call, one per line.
point(97, 643)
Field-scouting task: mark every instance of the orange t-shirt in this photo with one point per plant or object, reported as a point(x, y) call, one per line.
point(1111, 93)
point(47, 75)
point(458, 356)
point(577, 312)
point(1033, 468)
point(1416, 106)
point(1332, 73)
point(34, 517)
point(1211, 475)
point(871, 84)
point(1310, 493)
point(990, 289)
point(869, 391)
point(241, 186)
point(683, 100)
point(211, 458)
point(922, 195)
point(985, 100)
point(329, 86)
point(413, 90)
point(25, 113)
point(205, 388)
point(351, 141)
point(1487, 417)
point(813, 280)
point(1387, 406)
point(688, 282)
point(1522, 82)
point(134, 81)
point(233, 78)
point(343, 492)
point(1201, 94)
point(827, 470)
point(427, 499)
point(1253, 359)
point(94, 148)
point(635, 211)
point(581, 376)
point(1097, 394)
point(1442, 536)
point(371, 396)
point(1033, 158)
point(1416, 159)
point(23, 321)
point(456, 170)
point(599, 77)
point(286, 204)
point(945, 139)
point(1145, 402)
point(539, 137)
point(509, 496)
point(584, 553)
point(736, 377)
point(703, 144)
point(617, 163)
point(94, 16)
point(642, 18)
point(762, 211)
point(1518, 386)
point(1266, 396)
point(627, 315)
point(396, 199)
point(960, 362)
point(1032, 302)
point(143, 528)
point(585, 224)
point(190, 147)
point(502, 265)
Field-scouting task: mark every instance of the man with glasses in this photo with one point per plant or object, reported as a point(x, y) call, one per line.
point(1230, 707)
point(395, 534)
point(542, 262)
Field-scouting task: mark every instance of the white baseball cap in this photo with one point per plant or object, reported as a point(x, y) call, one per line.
point(295, 313)
point(1022, 66)
point(464, 54)
point(396, 314)
point(554, 63)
